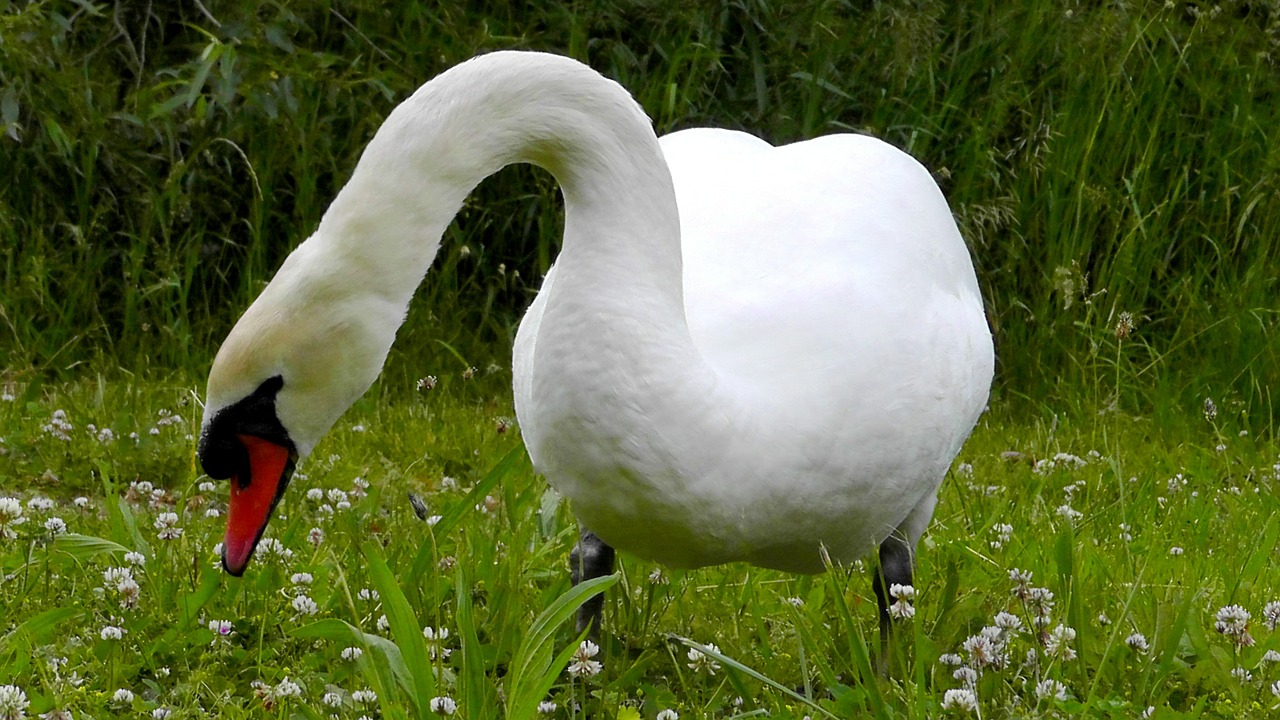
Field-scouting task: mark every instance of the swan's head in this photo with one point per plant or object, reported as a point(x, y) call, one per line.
point(306, 349)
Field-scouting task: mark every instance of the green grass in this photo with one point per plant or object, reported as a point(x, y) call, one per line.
point(789, 645)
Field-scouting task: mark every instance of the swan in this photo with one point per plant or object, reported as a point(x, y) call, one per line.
point(743, 353)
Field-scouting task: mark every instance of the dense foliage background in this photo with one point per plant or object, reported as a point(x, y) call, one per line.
point(160, 159)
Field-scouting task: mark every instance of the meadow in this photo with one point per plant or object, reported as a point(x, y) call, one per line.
point(1105, 546)
point(1094, 567)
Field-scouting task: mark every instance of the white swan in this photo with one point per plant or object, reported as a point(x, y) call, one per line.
point(742, 353)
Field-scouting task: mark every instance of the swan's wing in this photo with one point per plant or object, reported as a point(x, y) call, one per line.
point(522, 363)
point(829, 276)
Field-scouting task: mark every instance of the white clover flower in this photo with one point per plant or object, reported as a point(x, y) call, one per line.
point(213, 513)
point(1270, 656)
point(13, 702)
point(352, 654)
point(902, 609)
point(1233, 621)
point(1021, 582)
point(960, 699)
point(368, 594)
point(1009, 623)
point(332, 699)
point(1271, 614)
point(58, 426)
point(337, 496)
point(1002, 532)
point(383, 623)
point(435, 642)
point(221, 628)
point(668, 714)
point(167, 524)
point(583, 665)
point(286, 689)
point(796, 601)
point(304, 605)
point(1275, 688)
point(122, 697)
point(273, 549)
point(1241, 674)
point(1068, 460)
point(358, 428)
point(10, 516)
point(315, 494)
point(950, 659)
point(966, 675)
point(701, 662)
point(546, 707)
point(81, 502)
point(135, 558)
point(1137, 642)
point(300, 578)
point(55, 525)
point(1071, 515)
point(1059, 643)
point(206, 487)
point(161, 713)
point(129, 593)
point(40, 504)
point(431, 521)
point(1041, 600)
point(443, 705)
point(1175, 551)
point(986, 649)
point(359, 487)
point(1051, 688)
point(111, 632)
point(316, 536)
point(364, 697)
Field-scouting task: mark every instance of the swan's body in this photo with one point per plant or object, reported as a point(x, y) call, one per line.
point(742, 352)
point(843, 348)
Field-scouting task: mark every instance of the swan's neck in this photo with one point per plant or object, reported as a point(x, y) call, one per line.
point(619, 286)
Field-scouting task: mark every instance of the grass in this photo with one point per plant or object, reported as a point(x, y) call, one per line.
point(495, 561)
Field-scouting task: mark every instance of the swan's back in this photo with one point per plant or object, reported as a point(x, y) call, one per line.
point(827, 287)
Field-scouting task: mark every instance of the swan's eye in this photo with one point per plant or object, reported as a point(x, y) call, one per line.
point(221, 453)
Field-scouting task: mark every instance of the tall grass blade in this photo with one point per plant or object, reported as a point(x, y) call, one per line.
point(405, 628)
point(533, 670)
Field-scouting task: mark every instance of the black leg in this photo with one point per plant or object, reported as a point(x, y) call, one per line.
point(591, 558)
point(896, 557)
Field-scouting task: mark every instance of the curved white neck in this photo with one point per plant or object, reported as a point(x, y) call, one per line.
point(618, 309)
point(494, 111)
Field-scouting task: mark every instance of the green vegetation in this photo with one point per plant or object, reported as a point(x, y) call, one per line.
point(159, 161)
point(1101, 158)
point(1119, 521)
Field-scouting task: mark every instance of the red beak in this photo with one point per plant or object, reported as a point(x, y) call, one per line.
point(252, 502)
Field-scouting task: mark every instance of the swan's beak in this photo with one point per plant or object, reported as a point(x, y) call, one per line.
point(253, 498)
